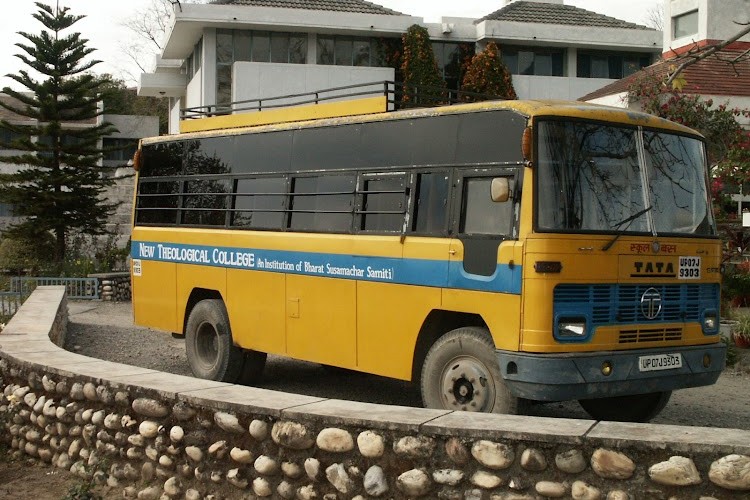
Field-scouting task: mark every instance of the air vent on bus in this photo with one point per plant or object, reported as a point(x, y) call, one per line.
point(638, 335)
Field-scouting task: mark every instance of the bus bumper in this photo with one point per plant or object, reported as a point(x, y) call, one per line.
point(562, 377)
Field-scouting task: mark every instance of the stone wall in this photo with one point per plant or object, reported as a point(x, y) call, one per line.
point(113, 286)
point(156, 435)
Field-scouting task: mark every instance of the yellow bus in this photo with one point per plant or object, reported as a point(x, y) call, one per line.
point(492, 253)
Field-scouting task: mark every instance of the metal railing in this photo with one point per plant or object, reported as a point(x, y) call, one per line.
point(9, 303)
point(398, 96)
point(76, 288)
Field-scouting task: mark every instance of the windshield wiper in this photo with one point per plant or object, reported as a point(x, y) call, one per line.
point(627, 221)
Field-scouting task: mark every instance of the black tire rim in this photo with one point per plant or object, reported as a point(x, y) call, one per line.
point(207, 345)
point(467, 384)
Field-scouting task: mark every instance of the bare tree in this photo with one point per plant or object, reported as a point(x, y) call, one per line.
point(654, 17)
point(698, 53)
point(149, 27)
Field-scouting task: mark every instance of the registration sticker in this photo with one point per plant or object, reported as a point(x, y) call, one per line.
point(136, 267)
point(659, 362)
point(690, 268)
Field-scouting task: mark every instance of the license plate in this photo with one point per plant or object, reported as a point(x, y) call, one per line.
point(659, 362)
point(690, 268)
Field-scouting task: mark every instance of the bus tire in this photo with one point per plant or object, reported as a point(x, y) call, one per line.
point(461, 372)
point(634, 408)
point(211, 352)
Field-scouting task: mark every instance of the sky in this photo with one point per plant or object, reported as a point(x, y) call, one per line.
point(103, 25)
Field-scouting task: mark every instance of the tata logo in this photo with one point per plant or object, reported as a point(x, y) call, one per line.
point(651, 303)
point(653, 269)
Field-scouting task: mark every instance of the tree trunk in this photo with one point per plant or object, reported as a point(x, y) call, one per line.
point(59, 245)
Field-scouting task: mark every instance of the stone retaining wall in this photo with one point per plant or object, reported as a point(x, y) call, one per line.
point(156, 435)
point(113, 286)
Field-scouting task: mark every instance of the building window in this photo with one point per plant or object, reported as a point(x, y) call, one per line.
point(348, 51)
point(193, 63)
point(685, 24)
point(261, 46)
point(119, 149)
point(448, 57)
point(593, 64)
point(534, 60)
point(7, 137)
point(255, 46)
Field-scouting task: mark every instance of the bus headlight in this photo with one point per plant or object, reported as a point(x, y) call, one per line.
point(571, 328)
point(710, 322)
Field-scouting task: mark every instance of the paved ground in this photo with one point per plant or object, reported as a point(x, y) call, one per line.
point(105, 330)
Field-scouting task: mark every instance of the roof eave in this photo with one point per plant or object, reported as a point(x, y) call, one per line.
point(572, 36)
point(189, 23)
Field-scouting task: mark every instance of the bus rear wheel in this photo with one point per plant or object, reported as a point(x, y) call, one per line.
point(634, 408)
point(211, 352)
point(461, 372)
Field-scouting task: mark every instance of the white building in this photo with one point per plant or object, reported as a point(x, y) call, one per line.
point(250, 49)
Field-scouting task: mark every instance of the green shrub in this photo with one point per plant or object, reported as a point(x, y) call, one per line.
point(735, 286)
point(21, 255)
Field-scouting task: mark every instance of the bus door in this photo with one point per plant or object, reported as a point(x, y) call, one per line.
point(320, 296)
point(484, 253)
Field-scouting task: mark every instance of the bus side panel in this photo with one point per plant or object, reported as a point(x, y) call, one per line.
point(321, 320)
point(190, 277)
point(389, 318)
point(501, 312)
point(154, 293)
point(256, 305)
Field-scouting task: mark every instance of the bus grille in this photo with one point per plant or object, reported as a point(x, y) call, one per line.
point(621, 304)
point(639, 335)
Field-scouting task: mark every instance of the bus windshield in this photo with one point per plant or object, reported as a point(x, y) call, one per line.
point(594, 177)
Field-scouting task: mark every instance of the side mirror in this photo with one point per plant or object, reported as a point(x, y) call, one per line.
point(500, 189)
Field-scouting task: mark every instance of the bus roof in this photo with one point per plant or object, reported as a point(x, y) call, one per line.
point(528, 108)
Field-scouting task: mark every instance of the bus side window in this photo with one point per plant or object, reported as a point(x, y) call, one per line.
point(481, 215)
point(157, 202)
point(204, 202)
point(260, 203)
point(431, 207)
point(383, 203)
point(323, 203)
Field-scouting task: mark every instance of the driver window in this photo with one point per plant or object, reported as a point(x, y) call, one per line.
point(480, 214)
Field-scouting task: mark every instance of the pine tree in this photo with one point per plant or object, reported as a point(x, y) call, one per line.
point(59, 185)
point(423, 84)
point(487, 74)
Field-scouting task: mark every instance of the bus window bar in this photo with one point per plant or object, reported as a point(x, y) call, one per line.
point(398, 96)
point(383, 192)
point(258, 210)
point(380, 212)
point(311, 211)
point(322, 193)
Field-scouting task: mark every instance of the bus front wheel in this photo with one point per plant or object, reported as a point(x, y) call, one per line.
point(461, 372)
point(210, 350)
point(634, 408)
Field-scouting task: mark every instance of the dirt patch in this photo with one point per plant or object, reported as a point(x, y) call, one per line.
point(27, 480)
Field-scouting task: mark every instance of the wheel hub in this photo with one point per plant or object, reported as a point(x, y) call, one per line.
point(208, 344)
point(465, 385)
